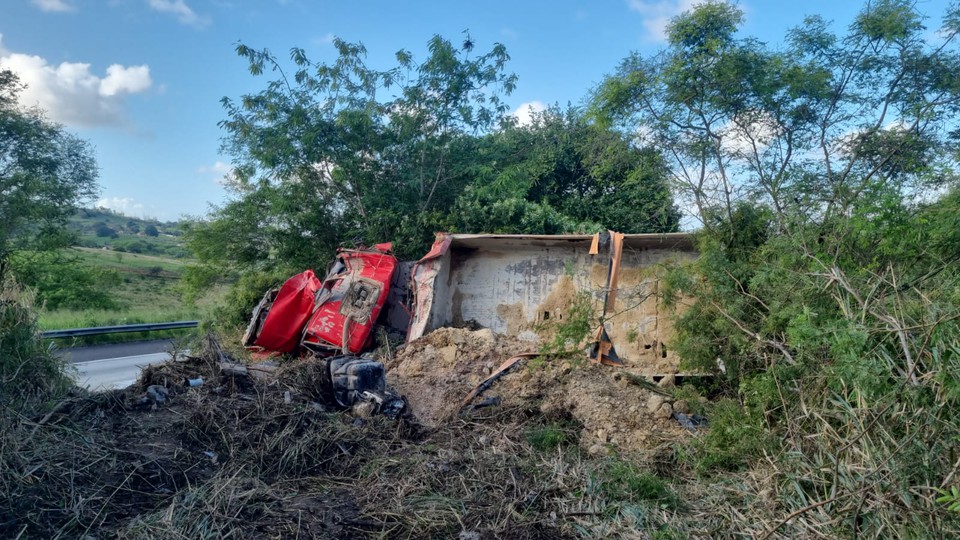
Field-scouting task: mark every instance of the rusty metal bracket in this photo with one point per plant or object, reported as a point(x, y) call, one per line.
point(500, 372)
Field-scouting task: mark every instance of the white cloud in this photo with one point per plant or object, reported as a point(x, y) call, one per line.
point(53, 6)
point(658, 13)
point(222, 172)
point(184, 13)
point(325, 39)
point(71, 93)
point(125, 80)
point(525, 112)
point(752, 134)
point(124, 205)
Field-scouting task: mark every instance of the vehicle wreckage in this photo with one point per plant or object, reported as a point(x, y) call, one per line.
point(511, 284)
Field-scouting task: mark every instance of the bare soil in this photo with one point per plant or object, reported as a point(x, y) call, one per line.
point(437, 371)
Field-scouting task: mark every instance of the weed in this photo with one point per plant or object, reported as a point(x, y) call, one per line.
point(570, 333)
point(691, 396)
point(950, 498)
point(734, 439)
point(626, 481)
point(548, 437)
point(29, 373)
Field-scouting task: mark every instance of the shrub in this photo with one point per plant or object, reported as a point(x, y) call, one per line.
point(244, 295)
point(29, 372)
point(62, 282)
point(736, 437)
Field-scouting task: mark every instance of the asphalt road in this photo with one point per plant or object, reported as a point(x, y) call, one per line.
point(114, 350)
point(103, 367)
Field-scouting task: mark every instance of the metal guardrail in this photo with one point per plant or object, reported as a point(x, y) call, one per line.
point(146, 327)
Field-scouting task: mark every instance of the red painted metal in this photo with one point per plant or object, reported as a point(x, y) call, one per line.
point(350, 301)
point(292, 307)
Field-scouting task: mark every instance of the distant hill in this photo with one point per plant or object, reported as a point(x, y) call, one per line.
point(104, 228)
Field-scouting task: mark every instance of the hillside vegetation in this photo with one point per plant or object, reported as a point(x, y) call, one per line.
point(822, 315)
point(100, 227)
point(118, 270)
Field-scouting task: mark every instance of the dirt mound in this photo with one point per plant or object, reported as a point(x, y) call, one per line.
point(438, 370)
point(614, 406)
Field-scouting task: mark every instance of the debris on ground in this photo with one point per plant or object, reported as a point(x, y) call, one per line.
point(690, 421)
point(247, 458)
point(614, 407)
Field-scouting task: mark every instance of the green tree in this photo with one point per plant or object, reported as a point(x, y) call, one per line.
point(823, 171)
point(63, 281)
point(44, 174)
point(151, 230)
point(103, 230)
point(808, 130)
point(563, 174)
point(341, 153)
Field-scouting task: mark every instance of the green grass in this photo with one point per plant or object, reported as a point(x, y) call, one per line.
point(148, 292)
point(550, 436)
point(65, 318)
point(129, 263)
point(626, 481)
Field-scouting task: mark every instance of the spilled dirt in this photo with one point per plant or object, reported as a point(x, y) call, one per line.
point(617, 408)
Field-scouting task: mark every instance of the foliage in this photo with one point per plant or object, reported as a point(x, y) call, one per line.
point(44, 173)
point(563, 174)
point(810, 130)
point(104, 231)
point(63, 281)
point(30, 374)
point(825, 296)
point(243, 295)
point(323, 154)
point(950, 497)
point(736, 437)
point(626, 481)
point(342, 154)
point(548, 437)
point(569, 334)
point(151, 230)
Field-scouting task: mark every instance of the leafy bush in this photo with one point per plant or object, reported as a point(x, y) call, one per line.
point(30, 373)
point(64, 282)
point(244, 295)
point(104, 231)
point(735, 438)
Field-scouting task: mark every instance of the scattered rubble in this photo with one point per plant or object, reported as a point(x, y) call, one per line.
point(436, 371)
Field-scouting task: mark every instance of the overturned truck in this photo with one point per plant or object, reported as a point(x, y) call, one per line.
point(520, 285)
point(333, 320)
point(527, 284)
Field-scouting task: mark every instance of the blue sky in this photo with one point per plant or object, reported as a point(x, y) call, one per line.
point(142, 79)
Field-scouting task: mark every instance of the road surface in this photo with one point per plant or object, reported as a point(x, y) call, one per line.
point(103, 367)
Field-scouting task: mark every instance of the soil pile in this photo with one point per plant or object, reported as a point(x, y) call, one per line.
point(616, 407)
point(438, 370)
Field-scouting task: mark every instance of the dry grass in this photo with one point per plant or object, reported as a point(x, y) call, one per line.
point(236, 460)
